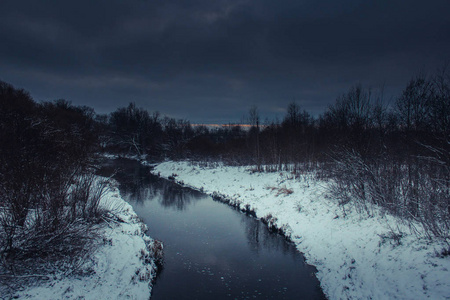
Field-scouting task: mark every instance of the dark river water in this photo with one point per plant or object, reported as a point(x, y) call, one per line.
point(211, 250)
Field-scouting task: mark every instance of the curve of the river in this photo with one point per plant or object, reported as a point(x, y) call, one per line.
point(211, 250)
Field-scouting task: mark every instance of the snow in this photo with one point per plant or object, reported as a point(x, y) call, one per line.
point(119, 269)
point(357, 256)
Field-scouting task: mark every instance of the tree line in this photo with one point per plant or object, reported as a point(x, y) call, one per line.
point(377, 154)
point(395, 156)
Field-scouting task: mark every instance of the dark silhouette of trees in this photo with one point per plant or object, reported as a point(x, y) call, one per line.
point(350, 118)
point(297, 130)
point(135, 131)
point(414, 105)
point(46, 186)
point(177, 134)
point(393, 156)
point(254, 134)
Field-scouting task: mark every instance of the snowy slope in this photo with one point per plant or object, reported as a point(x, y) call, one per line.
point(357, 256)
point(120, 268)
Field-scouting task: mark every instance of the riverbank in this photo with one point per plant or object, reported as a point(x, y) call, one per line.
point(122, 266)
point(357, 257)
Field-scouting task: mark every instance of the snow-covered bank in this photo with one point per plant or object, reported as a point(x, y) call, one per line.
point(357, 257)
point(121, 268)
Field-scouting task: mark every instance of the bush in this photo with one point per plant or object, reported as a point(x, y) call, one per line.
point(416, 190)
point(48, 196)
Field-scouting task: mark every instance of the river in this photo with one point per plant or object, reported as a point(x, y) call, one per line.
point(211, 250)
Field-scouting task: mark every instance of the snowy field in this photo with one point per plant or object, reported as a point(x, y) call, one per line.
point(357, 257)
point(121, 268)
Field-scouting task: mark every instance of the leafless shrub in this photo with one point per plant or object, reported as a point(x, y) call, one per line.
point(38, 255)
point(85, 197)
point(418, 191)
point(280, 190)
point(350, 180)
point(394, 238)
point(56, 236)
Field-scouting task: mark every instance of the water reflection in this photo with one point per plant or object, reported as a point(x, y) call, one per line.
point(259, 237)
point(211, 250)
point(175, 196)
point(138, 185)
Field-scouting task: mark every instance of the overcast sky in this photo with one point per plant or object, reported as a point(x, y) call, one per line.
point(210, 61)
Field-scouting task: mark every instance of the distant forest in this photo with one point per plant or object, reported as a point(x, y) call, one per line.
point(395, 156)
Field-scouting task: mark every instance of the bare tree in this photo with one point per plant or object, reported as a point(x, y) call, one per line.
point(414, 104)
point(254, 121)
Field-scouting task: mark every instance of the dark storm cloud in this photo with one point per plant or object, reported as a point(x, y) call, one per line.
point(210, 60)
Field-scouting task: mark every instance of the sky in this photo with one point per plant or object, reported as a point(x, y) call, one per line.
point(210, 61)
